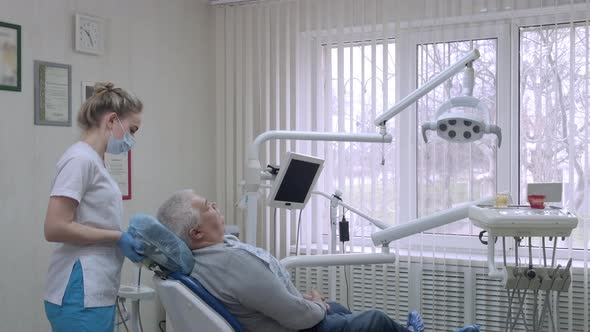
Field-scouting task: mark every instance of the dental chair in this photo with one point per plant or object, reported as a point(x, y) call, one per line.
point(189, 306)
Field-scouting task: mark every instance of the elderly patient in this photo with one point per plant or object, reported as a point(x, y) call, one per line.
point(252, 284)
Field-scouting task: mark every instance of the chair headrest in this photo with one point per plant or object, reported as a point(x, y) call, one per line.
point(161, 245)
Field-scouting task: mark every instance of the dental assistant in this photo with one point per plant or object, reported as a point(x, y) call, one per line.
point(84, 217)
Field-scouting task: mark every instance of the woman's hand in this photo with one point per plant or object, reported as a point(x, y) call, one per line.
point(131, 248)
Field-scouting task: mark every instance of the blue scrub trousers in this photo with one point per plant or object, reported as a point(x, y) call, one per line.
point(72, 316)
point(340, 319)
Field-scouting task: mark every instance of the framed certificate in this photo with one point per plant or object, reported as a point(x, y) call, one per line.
point(53, 94)
point(10, 57)
point(118, 165)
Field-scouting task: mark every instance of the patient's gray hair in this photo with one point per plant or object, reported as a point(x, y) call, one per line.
point(178, 214)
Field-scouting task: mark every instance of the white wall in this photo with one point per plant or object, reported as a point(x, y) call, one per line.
point(164, 52)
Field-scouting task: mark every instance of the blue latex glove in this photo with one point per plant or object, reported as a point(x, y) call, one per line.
point(131, 248)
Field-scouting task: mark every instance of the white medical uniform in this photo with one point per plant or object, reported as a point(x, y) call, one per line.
point(81, 175)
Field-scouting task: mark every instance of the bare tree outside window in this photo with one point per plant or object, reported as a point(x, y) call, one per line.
point(554, 114)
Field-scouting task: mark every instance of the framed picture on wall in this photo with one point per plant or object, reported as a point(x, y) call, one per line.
point(53, 94)
point(10, 57)
point(87, 89)
point(118, 165)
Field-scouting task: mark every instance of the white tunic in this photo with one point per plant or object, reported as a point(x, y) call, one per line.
point(81, 175)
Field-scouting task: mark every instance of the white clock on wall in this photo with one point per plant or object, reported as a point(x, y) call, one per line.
point(89, 35)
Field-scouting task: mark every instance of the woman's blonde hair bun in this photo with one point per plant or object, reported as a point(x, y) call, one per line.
point(107, 98)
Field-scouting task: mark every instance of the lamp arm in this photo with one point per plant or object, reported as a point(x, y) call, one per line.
point(254, 149)
point(374, 221)
point(359, 213)
point(427, 87)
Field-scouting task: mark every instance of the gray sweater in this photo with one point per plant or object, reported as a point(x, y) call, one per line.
point(250, 291)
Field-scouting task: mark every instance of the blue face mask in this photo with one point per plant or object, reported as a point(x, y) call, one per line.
point(120, 145)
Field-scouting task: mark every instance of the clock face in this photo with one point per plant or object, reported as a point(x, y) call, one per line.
point(89, 36)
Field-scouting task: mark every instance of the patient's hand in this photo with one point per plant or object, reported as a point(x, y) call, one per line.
point(316, 297)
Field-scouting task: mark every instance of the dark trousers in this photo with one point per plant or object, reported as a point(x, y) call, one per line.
point(340, 319)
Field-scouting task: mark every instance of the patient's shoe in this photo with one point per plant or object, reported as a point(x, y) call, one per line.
point(415, 322)
point(469, 328)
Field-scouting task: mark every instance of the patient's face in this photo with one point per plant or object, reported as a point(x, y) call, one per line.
point(212, 225)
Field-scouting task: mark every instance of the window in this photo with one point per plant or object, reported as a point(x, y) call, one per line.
point(553, 122)
point(362, 76)
point(447, 173)
point(554, 114)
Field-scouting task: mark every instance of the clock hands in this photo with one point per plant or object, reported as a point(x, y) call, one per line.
point(89, 37)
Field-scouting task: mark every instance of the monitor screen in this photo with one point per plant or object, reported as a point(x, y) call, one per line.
point(296, 178)
point(297, 181)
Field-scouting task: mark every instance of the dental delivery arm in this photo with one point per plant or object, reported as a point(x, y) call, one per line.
point(441, 218)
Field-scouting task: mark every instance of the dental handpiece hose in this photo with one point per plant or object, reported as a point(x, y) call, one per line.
point(139, 279)
point(530, 252)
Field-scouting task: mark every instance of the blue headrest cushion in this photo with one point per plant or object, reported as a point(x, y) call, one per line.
point(161, 245)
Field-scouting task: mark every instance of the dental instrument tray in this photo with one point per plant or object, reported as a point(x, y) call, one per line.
point(523, 221)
